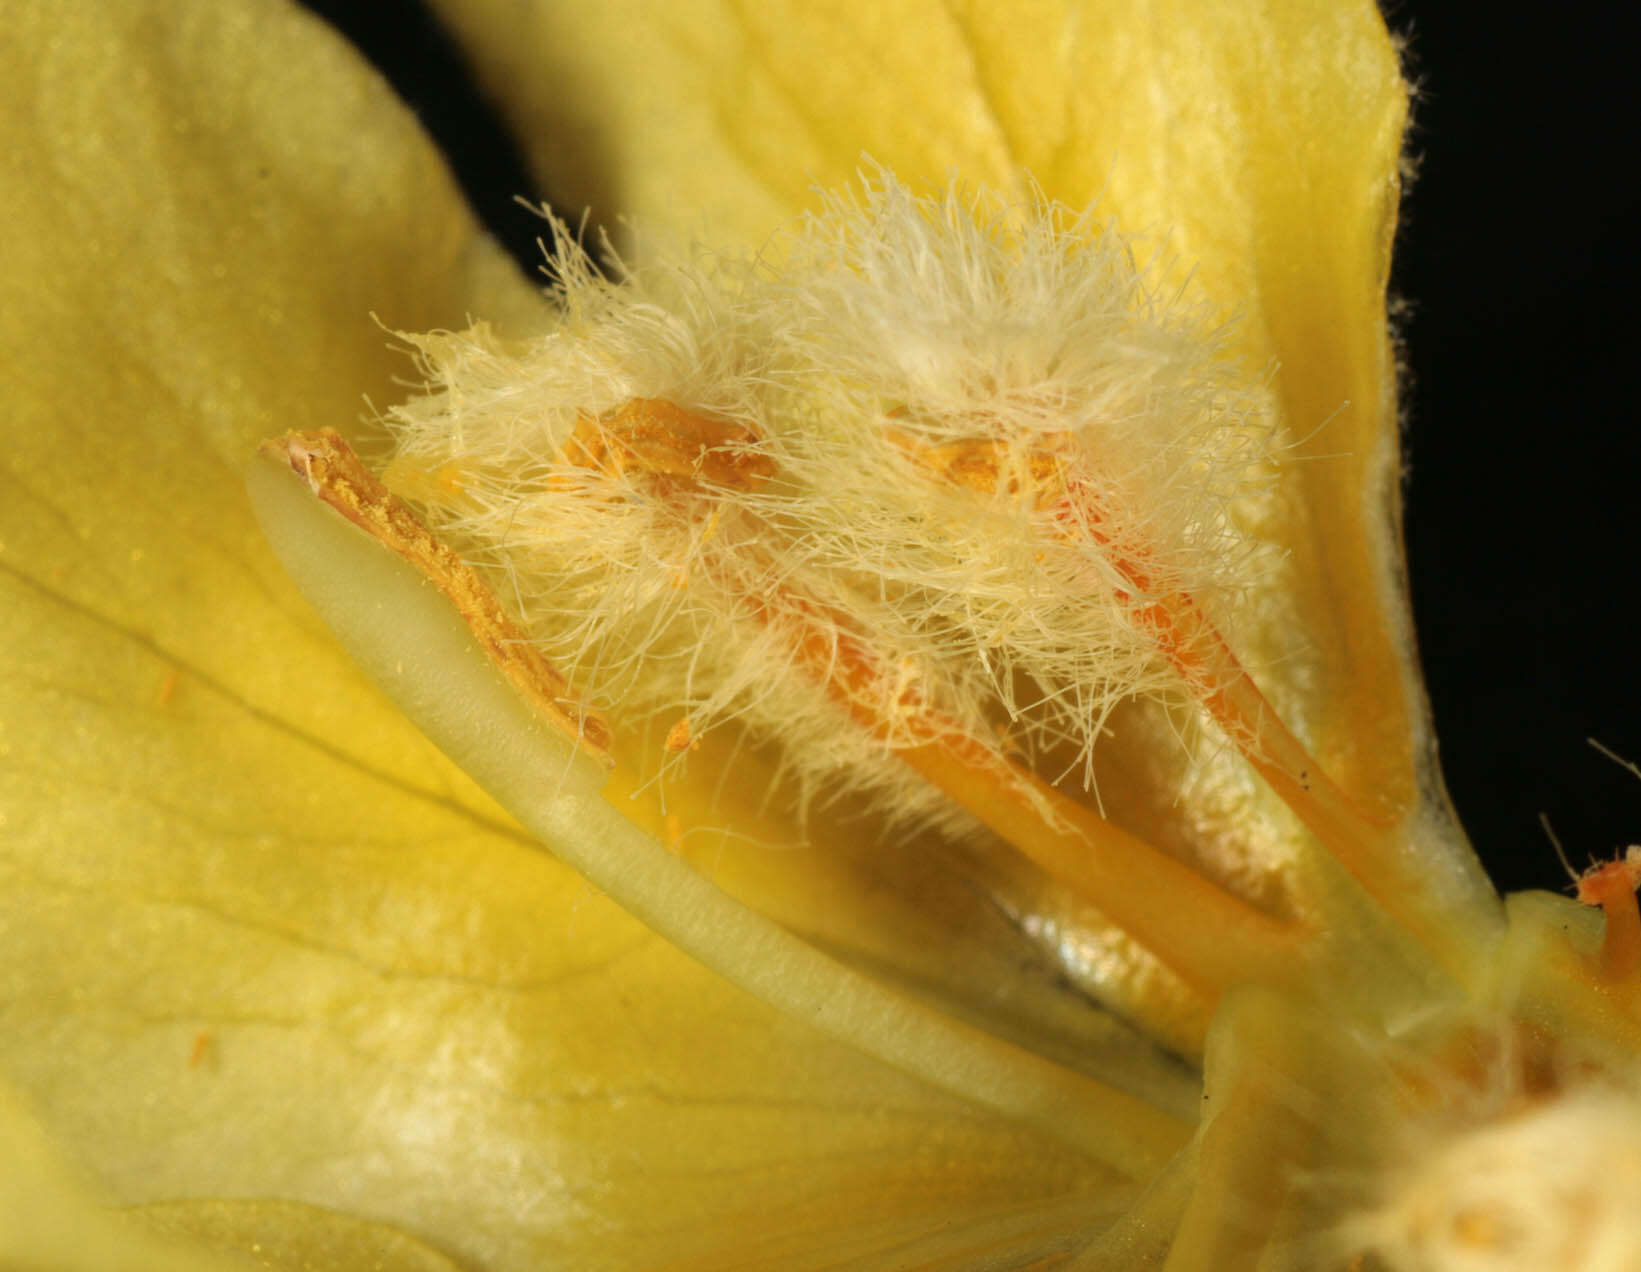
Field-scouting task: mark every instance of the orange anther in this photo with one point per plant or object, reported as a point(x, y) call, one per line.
point(987, 465)
point(660, 437)
point(1611, 885)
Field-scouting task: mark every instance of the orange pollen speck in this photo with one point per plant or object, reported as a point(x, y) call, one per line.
point(681, 736)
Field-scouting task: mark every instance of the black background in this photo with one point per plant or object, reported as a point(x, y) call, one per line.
point(1519, 260)
point(1518, 267)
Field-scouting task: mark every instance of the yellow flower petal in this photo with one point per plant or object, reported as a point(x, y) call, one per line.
point(50, 1217)
point(287, 1235)
point(262, 940)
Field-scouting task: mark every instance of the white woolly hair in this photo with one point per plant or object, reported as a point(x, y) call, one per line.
point(1549, 1187)
point(988, 441)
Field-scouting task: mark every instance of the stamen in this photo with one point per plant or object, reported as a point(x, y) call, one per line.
point(439, 664)
point(1216, 679)
point(336, 475)
point(1207, 936)
point(1197, 650)
point(764, 502)
point(1611, 885)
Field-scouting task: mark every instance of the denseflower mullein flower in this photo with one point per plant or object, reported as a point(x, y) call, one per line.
point(916, 503)
point(967, 619)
